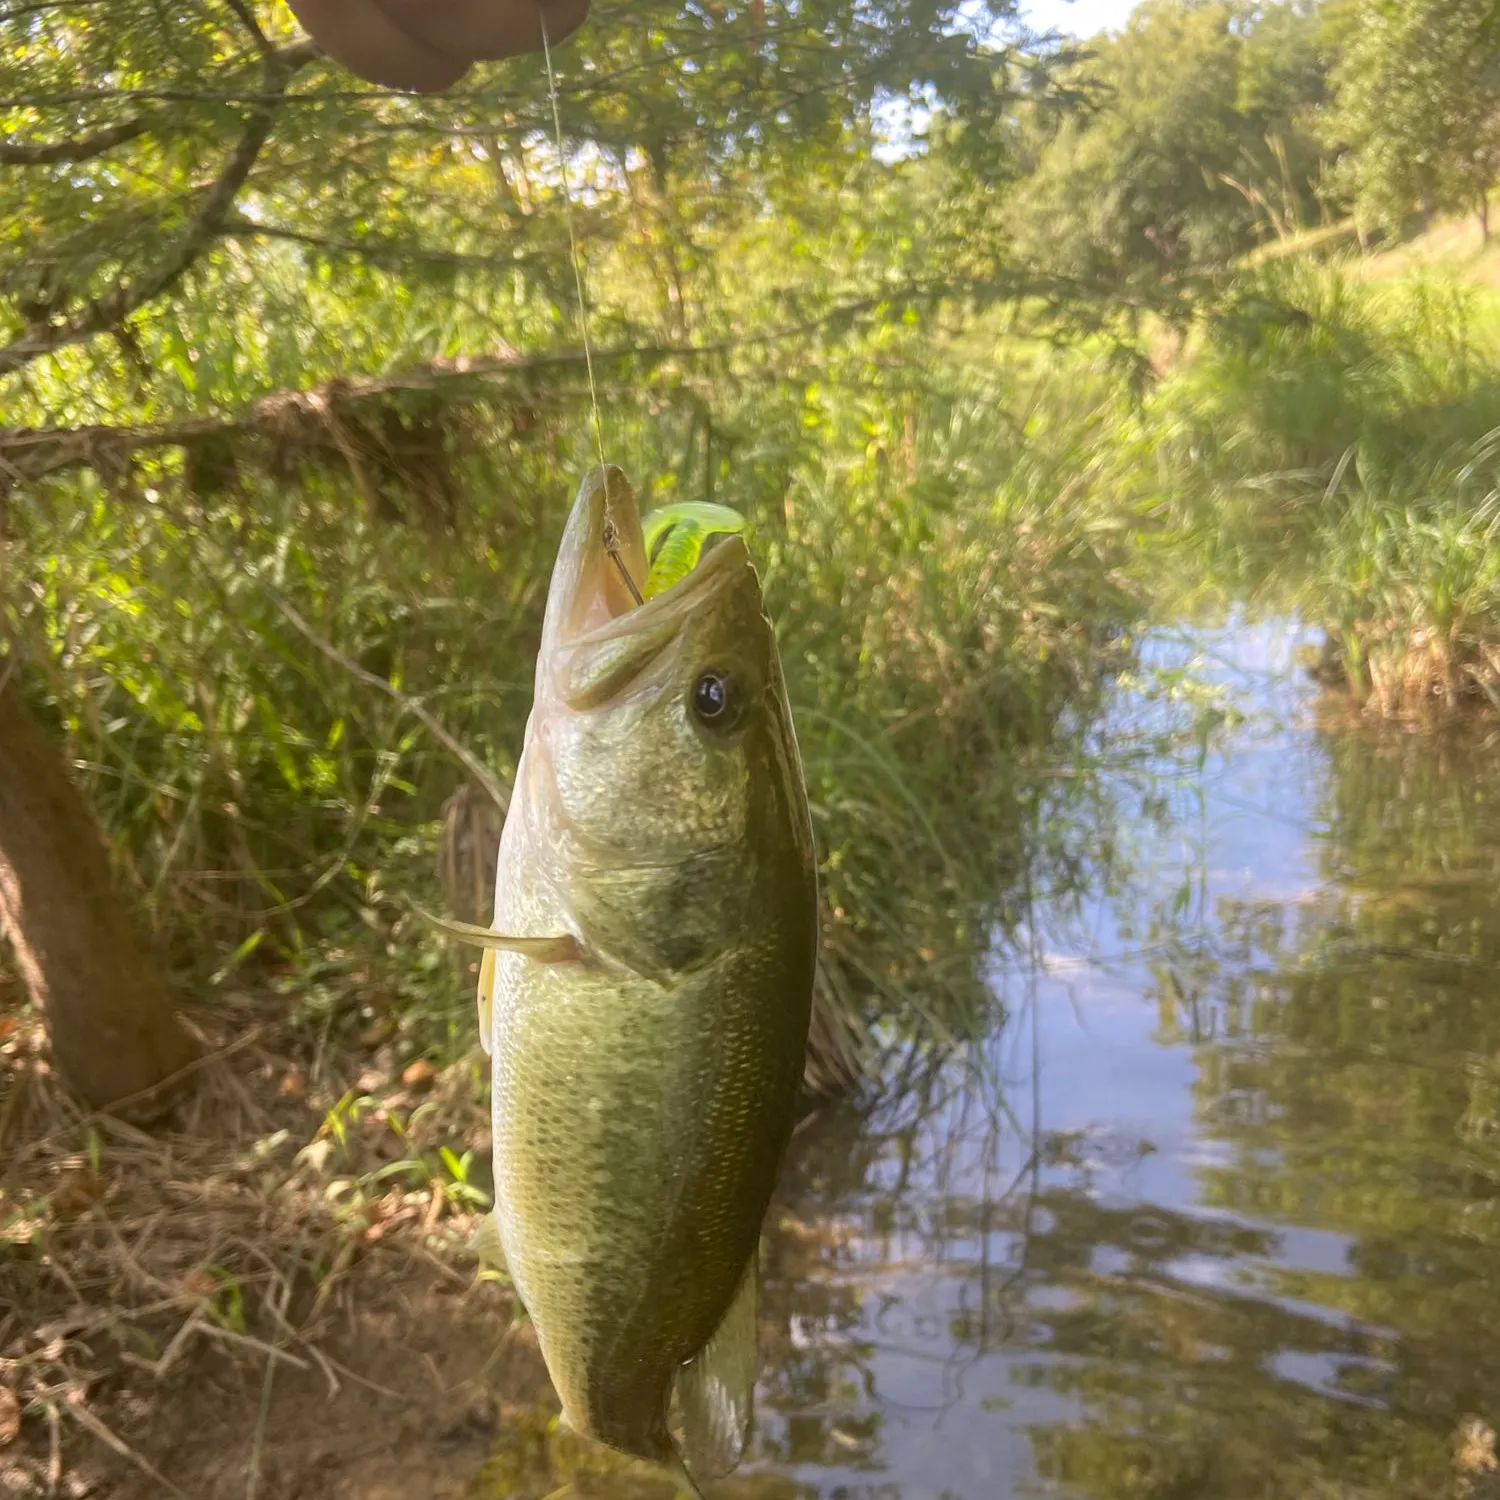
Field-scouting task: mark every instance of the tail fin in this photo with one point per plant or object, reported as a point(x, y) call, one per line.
point(714, 1392)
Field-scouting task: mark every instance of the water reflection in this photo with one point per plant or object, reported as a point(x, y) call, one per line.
point(1218, 1211)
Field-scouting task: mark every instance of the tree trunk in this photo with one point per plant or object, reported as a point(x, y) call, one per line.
point(1484, 220)
point(106, 1005)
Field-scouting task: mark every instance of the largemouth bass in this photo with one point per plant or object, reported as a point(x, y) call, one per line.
point(646, 990)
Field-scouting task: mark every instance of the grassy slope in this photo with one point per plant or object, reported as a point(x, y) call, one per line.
point(1453, 247)
point(1333, 436)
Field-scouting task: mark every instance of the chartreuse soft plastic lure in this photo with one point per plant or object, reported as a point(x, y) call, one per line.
point(675, 536)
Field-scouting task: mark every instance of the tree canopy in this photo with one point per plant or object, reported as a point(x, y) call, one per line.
point(166, 163)
point(1418, 106)
point(1195, 142)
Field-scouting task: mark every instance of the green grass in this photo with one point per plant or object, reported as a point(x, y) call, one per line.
point(1408, 584)
point(1455, 247)
point(1331, 442)
point(1301, 363)
point(947, 582)
point(246, 661)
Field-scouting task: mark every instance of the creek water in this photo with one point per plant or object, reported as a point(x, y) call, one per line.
point(1215, 1211)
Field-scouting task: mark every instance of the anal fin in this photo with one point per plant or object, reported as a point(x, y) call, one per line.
point(714, 1393)
point(486, 1248)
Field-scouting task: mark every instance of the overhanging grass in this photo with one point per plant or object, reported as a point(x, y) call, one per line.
point(1407, 583)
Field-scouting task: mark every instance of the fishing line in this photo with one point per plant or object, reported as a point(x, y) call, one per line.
point(610, 538)
point(583, 305)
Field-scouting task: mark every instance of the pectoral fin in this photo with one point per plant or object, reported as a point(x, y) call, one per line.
point(564, 949)
point(542, 950)
point(714, 1392)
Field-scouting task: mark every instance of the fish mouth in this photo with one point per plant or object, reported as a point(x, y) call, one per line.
point(601, 570)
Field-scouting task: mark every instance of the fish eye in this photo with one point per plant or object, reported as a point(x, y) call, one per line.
point(712, 700)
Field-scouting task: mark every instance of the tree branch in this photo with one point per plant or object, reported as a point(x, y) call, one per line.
point(15, 12)
point(287, 418)
point(112, 309)
point(31, 453)
point(379, 251)
point(263, 43)
point(28, 454)
point(46, 152)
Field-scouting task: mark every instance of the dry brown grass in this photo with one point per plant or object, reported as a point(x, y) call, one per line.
point(249, 1244)
point(1411, 674)
point(1426, 673)
point(273, 1294)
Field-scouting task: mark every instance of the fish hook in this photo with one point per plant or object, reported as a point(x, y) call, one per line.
point(611, 539)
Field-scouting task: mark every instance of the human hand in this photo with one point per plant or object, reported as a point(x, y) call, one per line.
point(423, 46)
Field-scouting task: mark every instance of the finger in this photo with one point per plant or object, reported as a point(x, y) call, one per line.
point(488, 29)
point(358, 34)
